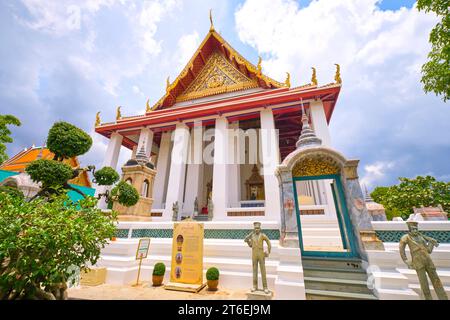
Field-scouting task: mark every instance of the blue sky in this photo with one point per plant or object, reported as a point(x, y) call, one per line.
point(68, 59)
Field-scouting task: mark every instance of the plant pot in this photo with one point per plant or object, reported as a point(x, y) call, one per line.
point(157, 280)
point(212, 285)
point(113, 239)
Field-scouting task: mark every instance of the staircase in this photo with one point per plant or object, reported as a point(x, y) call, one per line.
point(335, 279)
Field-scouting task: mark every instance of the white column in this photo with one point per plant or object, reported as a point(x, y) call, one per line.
point(219, 187)
point(234, 182)
point(177, 173)
point(133, 152)
point(270, 160)
point(194, 172)
point(110, 160)
point(159, 187)
point(146, 136)
point(319, 122)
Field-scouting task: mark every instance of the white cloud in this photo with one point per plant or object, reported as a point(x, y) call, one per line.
point(187, 45)
point(375, 173)
point(60, 17)
point(137, 90)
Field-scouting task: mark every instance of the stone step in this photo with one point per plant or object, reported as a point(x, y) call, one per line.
point(332, 263)
point(341, 285)
point(313, 294)
point(335, 273)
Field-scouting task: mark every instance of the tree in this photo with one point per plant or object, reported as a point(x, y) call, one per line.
point(43, 243)
point(436, 72)
point(5, 133)
point(66, 141)
point(400, 199)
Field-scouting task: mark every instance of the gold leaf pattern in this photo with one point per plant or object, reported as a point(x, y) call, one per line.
point(315, 167)
point(217, 76)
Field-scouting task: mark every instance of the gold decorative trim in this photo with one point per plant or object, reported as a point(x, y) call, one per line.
point(217, 76)
point(315, 166)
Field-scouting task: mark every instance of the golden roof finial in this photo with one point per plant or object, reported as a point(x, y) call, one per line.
point(97, 119)
point(259, 67)
point(337, 76)
point(118, 113)
point(147, 106)
point(211, 27)
point(314, 77)
point(287, 82)
point(168, 83)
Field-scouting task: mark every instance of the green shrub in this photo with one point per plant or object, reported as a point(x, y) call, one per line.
point(212, 274)
point(159, 269)
point(12, 191)
point(67, 141)
point(49, 172)
point(42, 243)
point(106, 176)
point(125, 194)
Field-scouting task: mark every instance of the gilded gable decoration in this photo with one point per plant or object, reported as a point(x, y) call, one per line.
point(217, 76)
point(315, 166)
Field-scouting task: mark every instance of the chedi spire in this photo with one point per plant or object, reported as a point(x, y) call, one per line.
point(307, 137)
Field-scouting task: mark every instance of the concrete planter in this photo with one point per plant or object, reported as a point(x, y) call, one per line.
point(212, 285)
point(157, 280)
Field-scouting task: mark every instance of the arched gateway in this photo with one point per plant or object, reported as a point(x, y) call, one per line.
point(322, 206)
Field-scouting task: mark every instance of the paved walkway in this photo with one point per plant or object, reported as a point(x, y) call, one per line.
point(146, 291)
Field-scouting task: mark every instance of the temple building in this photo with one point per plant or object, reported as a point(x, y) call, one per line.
point(247, 123)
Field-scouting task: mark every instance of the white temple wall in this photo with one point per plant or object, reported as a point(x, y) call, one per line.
point(319, 122)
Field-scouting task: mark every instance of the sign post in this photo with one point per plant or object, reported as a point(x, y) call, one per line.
point(186, 273)
point(141, 253)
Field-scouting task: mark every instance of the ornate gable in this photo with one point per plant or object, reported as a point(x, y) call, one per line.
point(214, 68)
point(217, 76)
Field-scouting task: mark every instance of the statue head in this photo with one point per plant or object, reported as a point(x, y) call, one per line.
point(413, 227)
point(257, 227)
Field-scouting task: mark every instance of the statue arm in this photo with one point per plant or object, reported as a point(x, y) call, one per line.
point(248, 239)
point(269, 246)
point(402, 246)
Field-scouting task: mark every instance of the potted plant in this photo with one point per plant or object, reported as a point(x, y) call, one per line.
point(158, 274)
point(212, 277)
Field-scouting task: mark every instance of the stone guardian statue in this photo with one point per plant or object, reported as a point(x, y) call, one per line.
point(420, 247)
point(255, 240)
point(175, 211)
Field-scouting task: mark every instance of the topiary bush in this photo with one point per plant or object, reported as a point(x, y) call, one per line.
point(49, 172)
point(212, 274)
point(106, 176)
point(67, 141)
point(125, 194)
point(159, 269)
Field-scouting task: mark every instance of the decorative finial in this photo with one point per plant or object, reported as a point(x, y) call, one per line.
point(337, 77)
point(307, 137)
point(287, 82)
point(141, 156)
point(147, 106)
point(259, 67)
point(118, 113)
point(97, 119)
point(168, 84)
point(211, 27)
point(40, 155)
point(314, 77)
